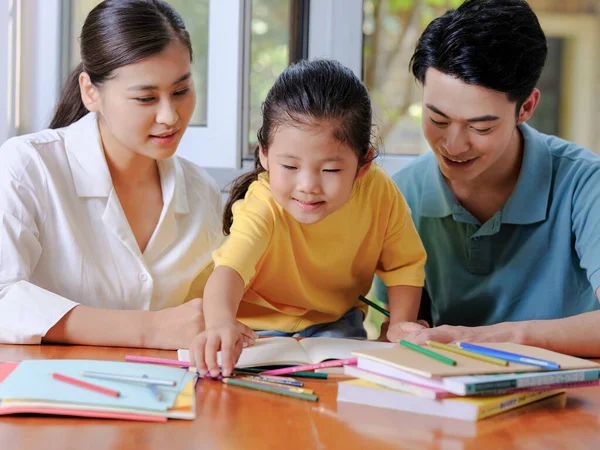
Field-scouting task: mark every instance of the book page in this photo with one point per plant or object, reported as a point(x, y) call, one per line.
point(323, 348)
point(272, 351)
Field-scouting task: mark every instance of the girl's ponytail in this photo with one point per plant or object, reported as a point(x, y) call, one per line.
point(239, 187)
point(70, 107)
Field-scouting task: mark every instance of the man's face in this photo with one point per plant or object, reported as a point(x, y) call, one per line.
point(471, 129)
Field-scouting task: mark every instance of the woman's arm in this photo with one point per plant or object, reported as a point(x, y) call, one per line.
point(168, 329)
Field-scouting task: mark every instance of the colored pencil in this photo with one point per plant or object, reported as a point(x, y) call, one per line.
point(250, 370)
point(374, 305)
point(257, 371)
point(167, 362)
point(270, 389)
point(117, 377)
point(468, 354)
point(300, 390)
point(507, 356)
point(424, 351)
point(303, 368)
point(154, 390)
point(322, 376)
point(276, 380)
point(83, 384)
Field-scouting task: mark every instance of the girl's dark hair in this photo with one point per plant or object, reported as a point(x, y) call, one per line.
point(304, 94)
point(117, 33)
point(496, 44)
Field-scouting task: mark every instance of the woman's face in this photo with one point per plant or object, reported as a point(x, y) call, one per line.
point(145, 107)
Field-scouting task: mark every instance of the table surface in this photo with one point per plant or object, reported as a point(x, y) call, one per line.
point(230, 417)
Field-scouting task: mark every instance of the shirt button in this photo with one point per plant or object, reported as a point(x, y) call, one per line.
point(144, 276)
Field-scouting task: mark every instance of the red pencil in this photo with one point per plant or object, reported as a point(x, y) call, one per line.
point(83, 384)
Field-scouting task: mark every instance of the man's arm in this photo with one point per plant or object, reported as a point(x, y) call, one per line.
point(577, 335)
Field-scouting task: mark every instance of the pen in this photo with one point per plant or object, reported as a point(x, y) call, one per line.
point(142, 379)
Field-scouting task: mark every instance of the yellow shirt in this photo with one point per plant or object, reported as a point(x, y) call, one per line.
point(298, 275)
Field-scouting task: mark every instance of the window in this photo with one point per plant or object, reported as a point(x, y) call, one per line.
point(216, 27)
point(270, 36)
point(195, 15)
point(391, 29)
point(8, 73)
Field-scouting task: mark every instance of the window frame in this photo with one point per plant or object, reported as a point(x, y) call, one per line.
point(336, 32)
point(218, 144)
point(9, 48)
point(580, 33)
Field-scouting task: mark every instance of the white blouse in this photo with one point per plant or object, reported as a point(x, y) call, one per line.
point(65, 240)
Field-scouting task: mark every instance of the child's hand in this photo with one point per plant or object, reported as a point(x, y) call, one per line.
point(403, 330)
point(230, 338)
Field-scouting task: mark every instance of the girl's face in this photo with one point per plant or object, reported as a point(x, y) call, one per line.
point(145, 108)
point(311, 173)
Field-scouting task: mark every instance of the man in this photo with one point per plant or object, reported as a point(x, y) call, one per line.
point(510, 217)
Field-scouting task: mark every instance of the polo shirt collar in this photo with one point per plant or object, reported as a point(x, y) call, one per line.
point(527, 204)
point(529, 201)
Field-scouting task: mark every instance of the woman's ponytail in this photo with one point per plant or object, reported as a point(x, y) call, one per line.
point(70, 107)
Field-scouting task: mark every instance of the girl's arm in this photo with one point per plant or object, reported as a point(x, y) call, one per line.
point(222, 296)
point(403, 303)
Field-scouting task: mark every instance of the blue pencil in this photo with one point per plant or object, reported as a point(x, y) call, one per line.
point(507, 356)
point(154, 390)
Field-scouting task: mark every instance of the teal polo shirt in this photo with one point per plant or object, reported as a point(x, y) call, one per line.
point(537, 258)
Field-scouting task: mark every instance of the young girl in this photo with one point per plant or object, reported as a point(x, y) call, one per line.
point(104, 234)
point(311, 225)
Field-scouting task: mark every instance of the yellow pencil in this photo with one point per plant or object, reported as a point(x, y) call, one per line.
point(460, 351)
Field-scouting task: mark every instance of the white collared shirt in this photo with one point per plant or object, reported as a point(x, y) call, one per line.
point(65, 240)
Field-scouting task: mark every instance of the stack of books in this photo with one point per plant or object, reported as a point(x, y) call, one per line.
point(462, 381)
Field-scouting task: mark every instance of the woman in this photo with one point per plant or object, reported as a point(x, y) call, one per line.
point(105, 235)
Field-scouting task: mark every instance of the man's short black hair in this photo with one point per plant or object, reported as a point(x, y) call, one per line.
point(496, 44)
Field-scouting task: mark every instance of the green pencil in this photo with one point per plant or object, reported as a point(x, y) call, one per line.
point(271, 389)
point(383, 311)
point(322, 376)
point(256, 371)
point(468, 354)
point(424, 351)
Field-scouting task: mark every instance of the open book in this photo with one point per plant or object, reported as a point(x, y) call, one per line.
point(289, 351)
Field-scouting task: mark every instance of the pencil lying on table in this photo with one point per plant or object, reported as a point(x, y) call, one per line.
point(270, 389)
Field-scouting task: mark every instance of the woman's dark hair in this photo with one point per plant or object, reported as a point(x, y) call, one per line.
point(117, 33)
point(496, 44)
point(305, 94)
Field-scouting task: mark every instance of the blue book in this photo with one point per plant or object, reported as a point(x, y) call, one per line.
point(31, 382)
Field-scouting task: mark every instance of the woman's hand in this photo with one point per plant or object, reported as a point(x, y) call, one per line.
point(175, 327)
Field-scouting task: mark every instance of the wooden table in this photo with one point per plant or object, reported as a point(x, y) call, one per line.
point(230, 417)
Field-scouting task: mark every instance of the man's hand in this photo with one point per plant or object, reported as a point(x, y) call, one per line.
point(401, 330)
point(502, 332)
